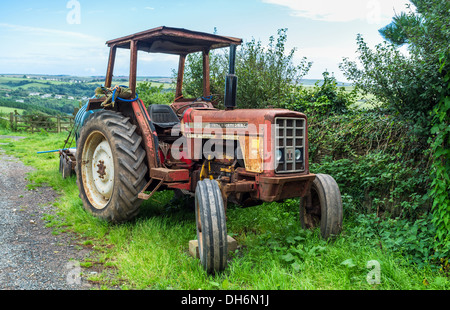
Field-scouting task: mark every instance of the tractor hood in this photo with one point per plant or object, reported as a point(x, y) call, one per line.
point(238, 119)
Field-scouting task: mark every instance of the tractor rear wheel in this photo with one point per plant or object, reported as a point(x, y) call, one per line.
point(111, 166)
point(322, 207)
point(211, 226)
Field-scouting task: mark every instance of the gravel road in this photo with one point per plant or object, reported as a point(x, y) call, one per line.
point(31, 257)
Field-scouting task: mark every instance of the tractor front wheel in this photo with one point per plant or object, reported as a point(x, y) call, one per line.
point(211, 226)
point(322, 207)
point(111, 166)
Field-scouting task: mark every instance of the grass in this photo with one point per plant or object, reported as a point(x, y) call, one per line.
point(4, 81)
point(151, 252)
point(5, 111)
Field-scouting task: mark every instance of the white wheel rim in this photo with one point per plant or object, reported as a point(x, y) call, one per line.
point(97, 170)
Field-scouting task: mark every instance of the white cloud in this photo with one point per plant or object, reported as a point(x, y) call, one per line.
point(371, 11)
point(37, 31)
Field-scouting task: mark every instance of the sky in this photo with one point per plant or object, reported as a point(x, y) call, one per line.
point(68, 36)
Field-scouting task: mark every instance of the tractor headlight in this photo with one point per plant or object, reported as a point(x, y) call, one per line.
point(278, 155)
point(298, 155)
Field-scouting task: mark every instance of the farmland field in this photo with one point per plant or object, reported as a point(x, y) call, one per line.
point(7, 111)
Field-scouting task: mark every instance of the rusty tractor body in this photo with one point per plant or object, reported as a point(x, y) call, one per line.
point(127, 151)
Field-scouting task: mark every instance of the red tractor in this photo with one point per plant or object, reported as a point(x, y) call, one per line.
point(127, 151)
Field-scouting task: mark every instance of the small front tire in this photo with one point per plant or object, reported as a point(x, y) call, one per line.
point(211, 226)
point(322, 207)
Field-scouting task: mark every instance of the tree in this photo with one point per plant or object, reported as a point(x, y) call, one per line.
point(409, 85)
point(395, 32)
point(266, 75)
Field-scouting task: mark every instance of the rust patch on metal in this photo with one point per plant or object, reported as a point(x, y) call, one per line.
point(101, 169)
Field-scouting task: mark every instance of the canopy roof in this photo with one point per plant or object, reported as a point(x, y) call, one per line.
point(174, 41)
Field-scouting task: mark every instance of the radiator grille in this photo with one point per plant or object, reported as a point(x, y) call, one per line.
point(289, 145)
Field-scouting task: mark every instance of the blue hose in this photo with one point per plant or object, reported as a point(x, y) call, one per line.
point(121, 99)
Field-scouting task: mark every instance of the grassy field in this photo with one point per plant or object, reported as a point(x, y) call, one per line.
point(9, 82)
point(6, 110)
point(151, 252)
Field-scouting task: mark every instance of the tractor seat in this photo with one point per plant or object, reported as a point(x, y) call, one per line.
point(162, 115)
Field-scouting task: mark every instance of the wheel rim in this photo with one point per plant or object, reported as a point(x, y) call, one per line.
point(97, 170)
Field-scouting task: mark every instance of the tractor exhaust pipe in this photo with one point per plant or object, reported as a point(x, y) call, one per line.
point(231, 82)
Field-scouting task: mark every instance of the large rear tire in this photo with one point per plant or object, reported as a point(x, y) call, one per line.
point(111, 166)
point(324, 208)
point(211, 226)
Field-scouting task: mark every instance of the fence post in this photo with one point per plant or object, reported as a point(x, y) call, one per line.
point(15, 120)
point(58, 124)
point(11, 120)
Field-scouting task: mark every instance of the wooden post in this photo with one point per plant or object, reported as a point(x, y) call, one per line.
point(11, 120)
point(58, 124)
point(206, 83)
point(15, 119)
point(179, 90)
point(133, 67)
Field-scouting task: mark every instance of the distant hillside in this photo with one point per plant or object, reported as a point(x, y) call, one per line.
point(55, 94)
point(312, 82)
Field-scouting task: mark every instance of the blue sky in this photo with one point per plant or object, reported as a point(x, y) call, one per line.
point(68, 36)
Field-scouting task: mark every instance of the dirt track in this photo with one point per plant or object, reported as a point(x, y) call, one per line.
point(31, 257)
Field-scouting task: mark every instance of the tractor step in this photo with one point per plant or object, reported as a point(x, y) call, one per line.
point(170, 175)
point(164, 175)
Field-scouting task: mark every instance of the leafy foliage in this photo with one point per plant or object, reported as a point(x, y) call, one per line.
point(153, 94)
point(416, 87)
point(395, 31)
point(400, 83)
point(407, 84)
point(324, 98)
point(267, 75)
point(440, 169)
point(193, 74)
point(410, 239)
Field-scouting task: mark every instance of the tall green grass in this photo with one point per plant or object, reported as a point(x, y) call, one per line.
point(151, 252)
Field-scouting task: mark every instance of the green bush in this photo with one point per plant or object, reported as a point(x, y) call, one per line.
point(379, 183)
point(266, 75)
point(323, 99)
point(153, 94)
